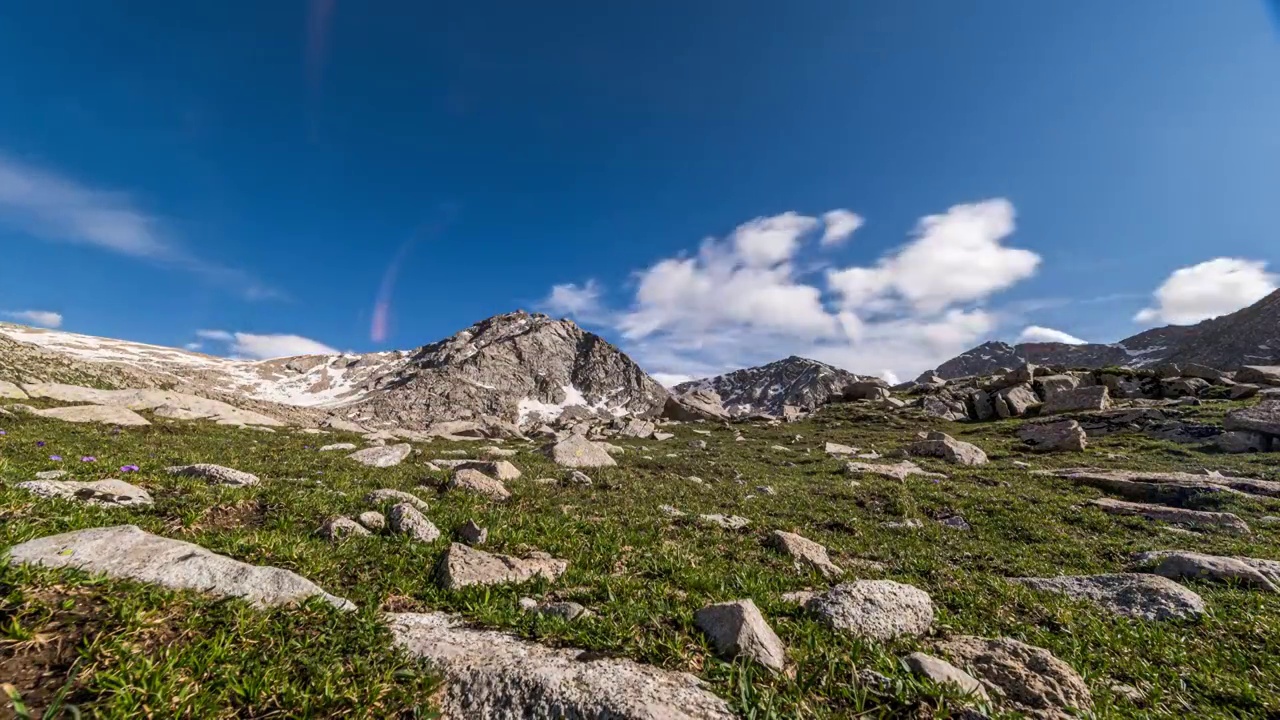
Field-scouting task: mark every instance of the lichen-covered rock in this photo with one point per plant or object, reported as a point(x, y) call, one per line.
point(1027, 678)
point(876, 609)
point(337, 528)
point(477, 482)
point(727, 522)
point(372, 520)
point(338, 446)
point(405, 519)
point(503, 470)
point(216, 474)
point(472, 534)
point(381, 457)
point(1141, 596)
point(110, 492)
point(489, 674)
point(463, 566)
point(941, 445)
point(126, 551)
point(576, 451)
point(944, 673)
point(802, 549)
point(737, 629)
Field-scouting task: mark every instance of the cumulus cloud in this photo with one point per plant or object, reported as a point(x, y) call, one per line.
point(573, 300)
point(43, 204)
point(840, 224)
point(1039, 334)
point(740, 300)
point(266, 347)
point(42, 318)
point(670, 380)
point(1207, 290)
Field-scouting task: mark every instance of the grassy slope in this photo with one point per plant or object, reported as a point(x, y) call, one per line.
point(139, 651)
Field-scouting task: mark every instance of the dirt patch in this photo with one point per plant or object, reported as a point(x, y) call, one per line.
point(38, 662)
point(246, 514)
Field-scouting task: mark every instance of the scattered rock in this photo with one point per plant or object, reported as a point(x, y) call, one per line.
point(944, 673)
point(1029, 679)
point(1244, 391)
point(489, 674)
point(472, 534)
point(50, 474)
point(9, 391)
point(944, 446)
point(1015, 401)
point(1261, 418)
point(576, 451)
point(126, 551)
point(105, 414)
point(1141, 596)
point(802, 549)
point(876, 609)
point(494, 451)
point(579, 478)
point(500, 469)
point(373, 520)
point(405, 519)
point(1177, 516)
point(463, 566)
point(565, 610)
point(638, 428)
point(387, 496)
point(737, 629)
point(956, 522)
point(1080, 399)
point(381, 457)
point(174, 412)
point(1259, 374)
point(479, 483)
point(799, 597)
point(837, 450)
point(897, 471)
point(338, 446)
point(1242, 441)
point(110, 492)
point(337, 528)
point(1059, 436)
point(671, 511)
point(216, 474)
point(663, 436)
point(1181, 564)
point(730, 522)
point(908, 524)
point(697, 444)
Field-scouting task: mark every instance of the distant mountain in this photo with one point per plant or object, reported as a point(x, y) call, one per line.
point(1246, 337)
point(514, 367)
point(795, 381)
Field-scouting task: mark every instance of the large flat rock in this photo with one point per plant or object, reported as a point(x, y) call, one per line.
point(491, 675)
point(110, 492)
point(128, 552)
point(463, 566)
point(221, 412)
point(1261, 418)
point(1178, 516)
point(105, 414)
point(1135, 595)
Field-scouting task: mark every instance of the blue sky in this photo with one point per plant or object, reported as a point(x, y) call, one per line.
point(255, 168)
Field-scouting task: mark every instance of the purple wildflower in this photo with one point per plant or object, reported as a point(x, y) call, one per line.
point(128, 468)
point(56, 458)
point(88, 458)
point(39, 443)
point(1, 432)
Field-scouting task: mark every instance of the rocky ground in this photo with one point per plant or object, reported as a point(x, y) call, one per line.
point(838, 566)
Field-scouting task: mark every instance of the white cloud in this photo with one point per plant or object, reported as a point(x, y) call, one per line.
point(1040, 334)
point(573, 300)
point(46, 205)
point(670, 380)
point(1212, 288)
point(43, 318)
point(840, 224)
point(741, 300)
point(266, 347)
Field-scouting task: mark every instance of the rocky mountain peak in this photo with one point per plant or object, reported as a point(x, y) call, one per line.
point(795, 381)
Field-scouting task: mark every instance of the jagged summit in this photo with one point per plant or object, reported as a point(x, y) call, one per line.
point(795, 381)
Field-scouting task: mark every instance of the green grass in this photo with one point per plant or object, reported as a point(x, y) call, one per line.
point(123, 650)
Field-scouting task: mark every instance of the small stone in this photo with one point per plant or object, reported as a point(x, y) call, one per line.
point(576, 451)
point(373, 520)
point(876, 609)
point(956, 522)
point(216, 474)
point(338, 446)
point(50, 474)
point(730, 522)
point(896, 471)
point(671, 511)
point(802, 549)
point(565, 610)
point(766, 490)
point(337, 528)
point(500, 469)
point(579, 478)
point(944, 673)
point(496, 452)
point(837, 450)
point(382, 457)
point(908, 524)
point(479, 483)
point(799, 597)
point(738, 629)
point(663, 436)
point(698, 444)
point(405, 519)
point(472, 534)
point(387, 496)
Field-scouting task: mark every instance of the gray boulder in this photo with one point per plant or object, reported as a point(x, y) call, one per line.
point(1182, 564)
point(1242, 441)
point(1051, 385)
point(381, 457)
point(477, 482)
point(337, 528)
point(876, 609)
point(489, 674)
point(1259, 374)
point(463, 566)
point(941, 445)
point(472, 534)
point(980, 405)
point(694, 405)
point(576, 451)
point(1177, 516)
point(501, 469)
point(128, 552)
point(1261, 418)
point(737, 629)
point(942, 672)
point(110, 492)
point(638, 428)
point(1059, 436)
point(1015, 401)
point(405, 519)
point(372, 520)
point(1080, 399)
point(1141, 596)
point(215, 474)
